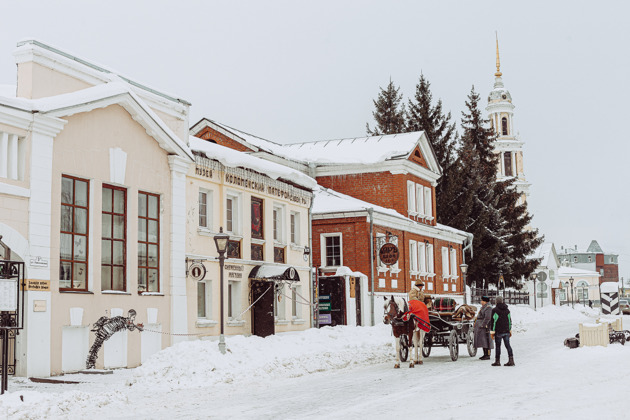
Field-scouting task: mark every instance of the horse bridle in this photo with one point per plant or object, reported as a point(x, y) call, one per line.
point(397, 317)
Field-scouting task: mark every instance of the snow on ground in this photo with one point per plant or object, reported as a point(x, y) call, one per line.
point(347, 372)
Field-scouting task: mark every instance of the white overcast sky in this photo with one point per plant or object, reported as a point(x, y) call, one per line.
point(294, 70)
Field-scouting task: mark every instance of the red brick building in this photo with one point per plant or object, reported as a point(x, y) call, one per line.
point(375, 190)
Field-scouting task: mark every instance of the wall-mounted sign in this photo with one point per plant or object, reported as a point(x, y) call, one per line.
point(234, 271)
point(39, 306)
point(39, 262)
point(324, 306)
point(389, 254)
point(39, 285)
point(197, 271)
point(325, 319)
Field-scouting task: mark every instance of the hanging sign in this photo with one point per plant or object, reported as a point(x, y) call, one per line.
point(389, 254)
point(197, 271)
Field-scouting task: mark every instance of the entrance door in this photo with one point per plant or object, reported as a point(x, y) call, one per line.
point(332, 301)
point(262, 312)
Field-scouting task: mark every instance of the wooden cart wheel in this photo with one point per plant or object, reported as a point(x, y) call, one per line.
point(426, 346)
point(453, 346)
point(470, 343)
point(404, 348)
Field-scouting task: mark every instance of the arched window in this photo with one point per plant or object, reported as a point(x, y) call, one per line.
point(582, 291)
point(507, 160)
point(504, 127)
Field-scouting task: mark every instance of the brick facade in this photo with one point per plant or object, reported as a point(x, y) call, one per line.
point(208, 133)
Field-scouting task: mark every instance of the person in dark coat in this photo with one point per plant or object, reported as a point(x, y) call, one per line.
point(501, 330)
point(482, 328)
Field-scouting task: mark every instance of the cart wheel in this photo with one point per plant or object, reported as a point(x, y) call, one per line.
point(453, 347)
point(404, 348)
point(470, 343)
point(426, 346)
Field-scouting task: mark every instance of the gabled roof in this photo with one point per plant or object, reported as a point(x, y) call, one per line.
point(594, 247)
point(101, 96)
point(545, 253)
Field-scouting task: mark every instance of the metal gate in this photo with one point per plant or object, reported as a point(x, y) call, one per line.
point(12, 317)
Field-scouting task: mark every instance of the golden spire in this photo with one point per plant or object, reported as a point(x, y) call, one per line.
point(498, 73)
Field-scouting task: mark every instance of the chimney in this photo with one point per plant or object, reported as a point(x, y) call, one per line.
point(576, 247)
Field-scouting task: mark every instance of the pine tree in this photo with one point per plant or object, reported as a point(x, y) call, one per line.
point(422, 115)
point(389, 112)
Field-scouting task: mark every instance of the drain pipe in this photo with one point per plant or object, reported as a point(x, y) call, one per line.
point(371, 214)
point(311, 275)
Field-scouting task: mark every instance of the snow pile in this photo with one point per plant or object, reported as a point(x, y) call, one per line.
point(199, 363)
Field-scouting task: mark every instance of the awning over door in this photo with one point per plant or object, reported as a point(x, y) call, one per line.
point(274, 272)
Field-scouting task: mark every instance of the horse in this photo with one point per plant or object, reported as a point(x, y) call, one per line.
point(407, 330)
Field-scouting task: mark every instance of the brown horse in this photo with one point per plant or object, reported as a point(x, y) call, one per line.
point(405, 332)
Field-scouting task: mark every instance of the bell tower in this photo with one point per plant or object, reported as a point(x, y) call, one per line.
point(508, 144)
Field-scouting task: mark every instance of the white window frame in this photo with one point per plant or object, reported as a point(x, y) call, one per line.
point(237, 213)
point(411, 198)
point(445, 264)
point(422, 258)
point(430, 260)
point(296, 307)
point(394, 268)
point(428, 204)
point(279, 305)
point(430, 285)
point(380, 266)
point(277, 227)
point(420, 199)
point(294, 228)
point(322, 240)
point(209, 207)
point(454, 263)
point(413, 257)
point(233, 299)
point(207, 300)
point(445, 285)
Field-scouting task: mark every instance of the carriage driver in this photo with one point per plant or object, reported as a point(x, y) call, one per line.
point(416, 291)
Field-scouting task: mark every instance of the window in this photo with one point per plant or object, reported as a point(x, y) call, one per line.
point(233, 303)
point(331, 250)
point(445, 264)
point(296, 310)
point(12, 156)
point(278, 254)
point(73, 256)
point(295, 228)
point(258, 253)
point(413, 256)
point(419, 199)
point(507, 163)
point(590, 259)
point(148, 242)
point(279, 304)
point(582, 290)
point(204, 299)
point(233, 249)
point(205, 209)
point(411, 197)
point(232, 214)
point(422, 257)
point(453, 262)
point(430, 285)
point(428, 205)
point(114, 239)
point(430, 263)
point(445, 287)
point(504, 126)
point(278, 224)
point(257, 218)
point(575, 259)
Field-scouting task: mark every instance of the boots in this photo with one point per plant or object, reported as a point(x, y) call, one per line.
point(497, 362)
point(510, 362)
point(486, 355)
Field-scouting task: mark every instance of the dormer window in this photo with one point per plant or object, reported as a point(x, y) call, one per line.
point(504, 126)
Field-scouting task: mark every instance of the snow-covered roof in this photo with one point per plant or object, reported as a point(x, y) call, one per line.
point(234, 159)
point(572, 271)
point(544, 253)
point(609, 287)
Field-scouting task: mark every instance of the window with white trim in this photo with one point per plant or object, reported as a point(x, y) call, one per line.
point(453, 262)
point(295, 227)
point(430, 285)
point(205, 208)
point(232, 214)
point(331, 249)
point(279, 304)
point(204, 299)
point(296, 307)
point(419, 199)
point(278, 224)
point(428, 205)
point(445, 287)
point(430, 262)
point(394, 240)
point(413, 256)
point(445, 265)
point(411, 197)
point(234, 301)
point(12, 156)
point(453, 288)
point(422, 257)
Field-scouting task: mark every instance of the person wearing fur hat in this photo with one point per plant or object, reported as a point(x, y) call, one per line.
point(482, 328)
point(416, 291)
point(501, 330)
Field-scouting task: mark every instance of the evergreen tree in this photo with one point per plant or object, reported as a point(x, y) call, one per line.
point(422, 115)
point(389, 112)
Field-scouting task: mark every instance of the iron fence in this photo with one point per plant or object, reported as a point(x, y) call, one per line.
point(511, 297)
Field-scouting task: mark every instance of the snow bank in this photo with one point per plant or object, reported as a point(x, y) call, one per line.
point(199, 363)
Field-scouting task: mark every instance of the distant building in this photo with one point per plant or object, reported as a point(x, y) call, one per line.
point(546, 275)
point(592, 259)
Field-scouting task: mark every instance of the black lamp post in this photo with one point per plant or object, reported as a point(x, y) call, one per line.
point(464, 268)
point(571, 281)
point(533, 276)
point(221, 241)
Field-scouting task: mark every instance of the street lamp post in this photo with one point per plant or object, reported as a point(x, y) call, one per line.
point(571, 281)
point(464, 268)
point(533, 277)
point(221, 241)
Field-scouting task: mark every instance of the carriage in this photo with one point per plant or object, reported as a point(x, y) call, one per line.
point(449, 328)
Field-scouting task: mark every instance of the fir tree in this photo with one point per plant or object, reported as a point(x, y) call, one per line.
point(422, 115)
point(389, 112)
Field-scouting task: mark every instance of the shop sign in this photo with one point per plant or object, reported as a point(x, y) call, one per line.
point(325, 319)
point(39, 285)
point(324, 297)
point(234, 271)
point(388, 254)
point(324, 306)
point(197, 271)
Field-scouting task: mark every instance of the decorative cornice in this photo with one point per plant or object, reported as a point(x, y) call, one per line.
point(9, 189)
point(178, 164)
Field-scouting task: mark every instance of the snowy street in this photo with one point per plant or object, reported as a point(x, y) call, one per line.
point(293, 376)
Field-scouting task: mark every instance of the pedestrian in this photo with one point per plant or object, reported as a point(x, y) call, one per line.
point(502, 331)
point(482, 328)
point(590, 304)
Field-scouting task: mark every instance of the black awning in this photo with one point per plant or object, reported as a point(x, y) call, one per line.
point(274, 272)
